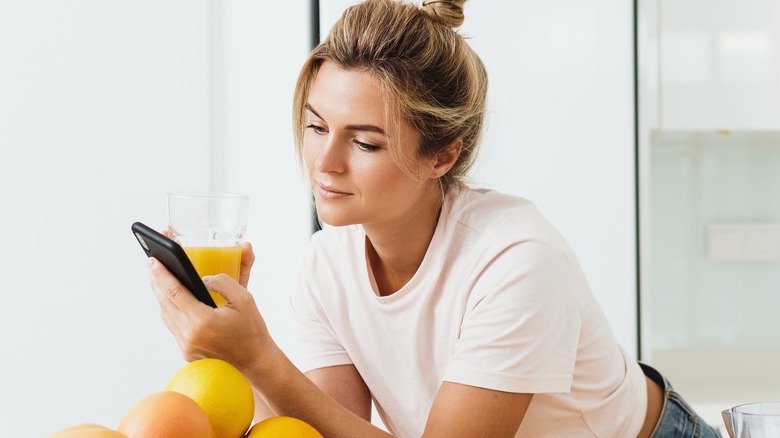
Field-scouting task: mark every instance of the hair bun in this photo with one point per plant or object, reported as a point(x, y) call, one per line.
point(447, 12)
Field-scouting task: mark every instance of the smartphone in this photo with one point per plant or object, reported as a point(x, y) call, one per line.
point(173, 257)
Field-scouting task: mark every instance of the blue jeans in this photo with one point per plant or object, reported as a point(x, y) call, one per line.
point(678, 420)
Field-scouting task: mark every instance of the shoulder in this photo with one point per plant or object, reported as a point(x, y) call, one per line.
point(503, 222)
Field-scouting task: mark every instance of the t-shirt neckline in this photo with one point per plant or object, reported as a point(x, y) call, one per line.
point(419, 275)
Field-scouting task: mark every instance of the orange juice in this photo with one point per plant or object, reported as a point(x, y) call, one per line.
point(216, 260)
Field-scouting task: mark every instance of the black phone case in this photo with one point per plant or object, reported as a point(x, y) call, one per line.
point(173, 257)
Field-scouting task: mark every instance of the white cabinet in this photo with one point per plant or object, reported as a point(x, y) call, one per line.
point(719, 64)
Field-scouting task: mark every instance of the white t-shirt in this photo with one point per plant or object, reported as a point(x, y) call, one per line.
point(499, 302)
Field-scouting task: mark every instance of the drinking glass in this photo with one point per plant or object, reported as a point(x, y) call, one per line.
point(210, 227)
point(753, 420)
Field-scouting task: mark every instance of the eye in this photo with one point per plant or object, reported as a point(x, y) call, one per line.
point(316, 128)
point(367, 147)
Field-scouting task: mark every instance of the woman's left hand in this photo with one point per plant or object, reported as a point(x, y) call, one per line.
point(235, 333)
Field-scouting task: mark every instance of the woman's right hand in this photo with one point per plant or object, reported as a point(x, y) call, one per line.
point(235, 332)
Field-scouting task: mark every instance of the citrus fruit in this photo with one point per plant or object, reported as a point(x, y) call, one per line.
point(221, 391)
point(87, 430)
point(283, 427)
point(165, 414)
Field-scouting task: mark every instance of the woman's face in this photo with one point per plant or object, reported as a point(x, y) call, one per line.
point(351, 170)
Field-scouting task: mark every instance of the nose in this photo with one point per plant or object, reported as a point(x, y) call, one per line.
point(332, 156)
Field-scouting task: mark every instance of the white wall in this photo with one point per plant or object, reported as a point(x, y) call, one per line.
point(105, 106)
point(257, 58)
point(560, 128)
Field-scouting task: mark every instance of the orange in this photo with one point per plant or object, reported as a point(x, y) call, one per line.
point(283, 427)
point(221, 391)
point(87, 430)
point(165, 414)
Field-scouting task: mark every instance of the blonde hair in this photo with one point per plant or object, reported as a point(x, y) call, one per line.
point(428, 74)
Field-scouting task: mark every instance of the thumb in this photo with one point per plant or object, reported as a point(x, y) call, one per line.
point(223, 284)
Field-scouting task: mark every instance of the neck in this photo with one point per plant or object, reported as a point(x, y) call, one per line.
point(396, 250)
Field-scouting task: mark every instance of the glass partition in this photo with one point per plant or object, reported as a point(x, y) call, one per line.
point(714, 264)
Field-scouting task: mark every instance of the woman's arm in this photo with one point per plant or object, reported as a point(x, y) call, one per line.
point(262, 410)
point(289, 392)
point(458, 410)
point(237, 334)
point(344, 384)
point(466, 411)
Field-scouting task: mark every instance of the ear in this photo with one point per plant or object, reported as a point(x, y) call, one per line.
point(447, 158)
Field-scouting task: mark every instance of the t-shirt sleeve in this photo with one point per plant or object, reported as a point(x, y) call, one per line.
point(318, 345)
point(521, 330)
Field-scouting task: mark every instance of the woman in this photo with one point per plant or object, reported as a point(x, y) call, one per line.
point(460, 312)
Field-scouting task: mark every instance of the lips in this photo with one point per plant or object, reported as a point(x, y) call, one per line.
point(329, 192)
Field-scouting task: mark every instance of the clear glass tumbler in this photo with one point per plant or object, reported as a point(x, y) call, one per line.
point(210, 227)
point(753, 420)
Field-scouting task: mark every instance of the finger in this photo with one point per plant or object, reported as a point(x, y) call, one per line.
point(247, 260)
point(167, 288)
point(168, 233)
point(173, 318)
point(168, 310)
point(233, 292)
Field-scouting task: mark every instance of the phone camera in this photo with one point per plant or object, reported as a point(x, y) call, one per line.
point(142, 241)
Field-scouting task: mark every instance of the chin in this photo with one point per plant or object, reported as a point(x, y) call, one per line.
point(334, 219)
point(334, 222)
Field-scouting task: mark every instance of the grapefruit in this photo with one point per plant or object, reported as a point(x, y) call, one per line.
point(165, 414)
point(221, 391)
point(283, 427)
point(87, 430)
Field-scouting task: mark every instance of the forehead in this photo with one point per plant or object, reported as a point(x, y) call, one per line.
point(347, 94)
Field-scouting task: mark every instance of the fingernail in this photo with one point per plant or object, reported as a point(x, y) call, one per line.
point(206, 279)
point(150, 262)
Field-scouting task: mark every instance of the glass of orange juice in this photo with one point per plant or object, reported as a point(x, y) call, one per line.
point(210, 227)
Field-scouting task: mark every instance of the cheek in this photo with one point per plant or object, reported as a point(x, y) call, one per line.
point(384, 180)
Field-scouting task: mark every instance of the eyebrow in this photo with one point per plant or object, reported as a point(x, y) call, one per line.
point(362, 127)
